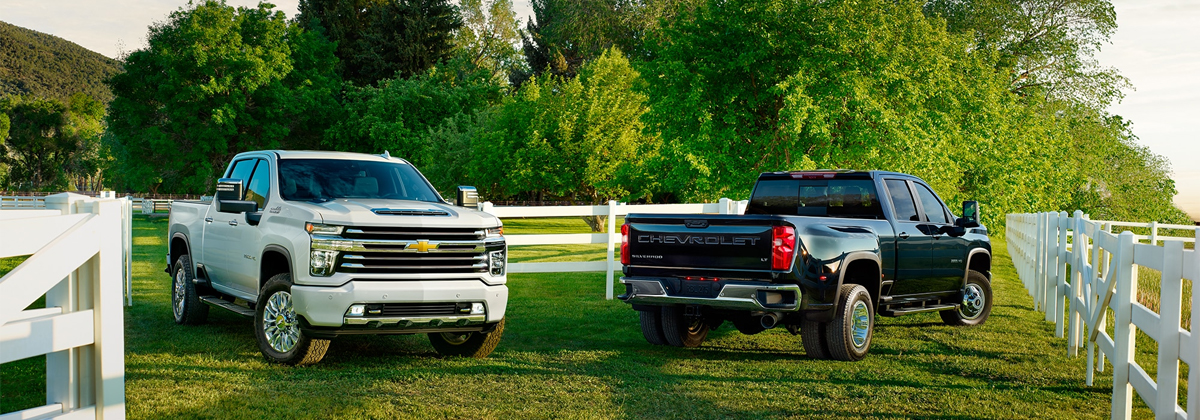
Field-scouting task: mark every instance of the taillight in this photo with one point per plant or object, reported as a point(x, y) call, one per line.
point(625, 244)
point(783, 247)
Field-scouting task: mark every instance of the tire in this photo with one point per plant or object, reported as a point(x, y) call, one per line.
point(467, 344)
point(185, 303)
point(277, 327)
point(812, 335)
point(976, 305)
point(652, 326)
point(679, 330)
point(849, 333)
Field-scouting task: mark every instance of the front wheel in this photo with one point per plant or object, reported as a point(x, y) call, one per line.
point(680, 330)
point(467, 344)
point(976, 302)
point(277, 327)
point(849, 334)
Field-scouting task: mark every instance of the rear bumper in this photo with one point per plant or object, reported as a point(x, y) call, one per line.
point(735, 296)
point(326, 307)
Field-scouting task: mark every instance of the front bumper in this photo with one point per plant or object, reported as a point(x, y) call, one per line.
point(326, 307)
point(735, 296)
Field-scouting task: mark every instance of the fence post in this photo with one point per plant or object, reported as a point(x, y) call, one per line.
point(1154, 233)
point(64, 385)
point(1049, 283)
point(612, 226)
point(485, 207)
point(1193, 394)
point(1078, 249)
point(1123, 329)
point(1060, 278)
point(1038, 264)
point(1170, 307)
point(723, 207)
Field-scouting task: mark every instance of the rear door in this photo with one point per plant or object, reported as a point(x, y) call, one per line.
point(913, 243)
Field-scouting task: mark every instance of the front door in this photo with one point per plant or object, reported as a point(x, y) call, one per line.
point(913, 244)
point(949, 254)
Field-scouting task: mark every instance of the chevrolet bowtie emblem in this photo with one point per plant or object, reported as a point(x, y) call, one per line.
point(423, 246)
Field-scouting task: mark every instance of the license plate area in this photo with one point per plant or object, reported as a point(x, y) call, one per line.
point(699, 288)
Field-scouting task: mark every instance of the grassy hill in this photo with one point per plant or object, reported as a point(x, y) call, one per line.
point(34, 63)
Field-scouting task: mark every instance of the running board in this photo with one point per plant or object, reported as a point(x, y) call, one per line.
point(907, 311)
point(222, 303)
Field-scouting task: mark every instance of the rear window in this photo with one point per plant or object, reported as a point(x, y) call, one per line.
point(852, 198)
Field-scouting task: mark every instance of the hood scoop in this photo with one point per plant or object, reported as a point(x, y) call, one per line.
point(411, 212)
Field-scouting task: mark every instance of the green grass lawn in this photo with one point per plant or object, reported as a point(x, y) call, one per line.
point(568, 353)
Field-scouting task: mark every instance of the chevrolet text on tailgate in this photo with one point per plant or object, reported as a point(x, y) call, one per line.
point(314, 245)
point(820, 253)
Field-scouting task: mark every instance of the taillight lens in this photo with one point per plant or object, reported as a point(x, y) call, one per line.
point(625, 244)
point(783, 247)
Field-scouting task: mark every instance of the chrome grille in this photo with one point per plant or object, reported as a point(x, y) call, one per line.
point(412, 262)
point(427, 233)
point(409, 250)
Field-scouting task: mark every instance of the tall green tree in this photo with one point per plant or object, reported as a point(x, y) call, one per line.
point(210, 84)
point(50, 145)
point(378, 39)
point(489, 36)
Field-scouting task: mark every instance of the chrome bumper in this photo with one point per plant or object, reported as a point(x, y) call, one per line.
point(732, 296)
point(418, 321)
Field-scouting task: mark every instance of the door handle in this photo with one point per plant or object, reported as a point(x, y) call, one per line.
point(903, 235)
point(233, 223)
point(208, 220)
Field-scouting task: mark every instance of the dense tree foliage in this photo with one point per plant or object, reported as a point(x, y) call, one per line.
point(40, 65)
point(378, 39)
point(50, 145)
point(489, 36)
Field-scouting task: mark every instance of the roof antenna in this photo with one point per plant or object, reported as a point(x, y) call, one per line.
point(386, 155)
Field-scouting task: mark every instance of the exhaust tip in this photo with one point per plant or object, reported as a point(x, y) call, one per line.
point(769, 320)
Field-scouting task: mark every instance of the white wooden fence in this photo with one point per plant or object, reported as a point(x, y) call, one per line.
point(612, 237)
point(76, 259)
point(1103, 274)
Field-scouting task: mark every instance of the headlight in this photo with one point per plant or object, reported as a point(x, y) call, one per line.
point(322, 229)
point(495, 232)
point(477, 308)
point(496, 261)
point(321, 262)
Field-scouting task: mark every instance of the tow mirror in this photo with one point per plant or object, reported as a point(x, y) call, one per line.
point(467, 197)
point(970, 217)
point(229, 197)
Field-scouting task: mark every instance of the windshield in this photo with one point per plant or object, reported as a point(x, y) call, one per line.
point(853, 198)
point(328, 179)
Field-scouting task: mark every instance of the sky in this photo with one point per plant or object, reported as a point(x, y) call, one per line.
point(1155, 46)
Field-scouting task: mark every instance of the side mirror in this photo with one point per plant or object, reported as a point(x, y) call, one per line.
point(467, 197)
point(229, 197)
point(970, 217)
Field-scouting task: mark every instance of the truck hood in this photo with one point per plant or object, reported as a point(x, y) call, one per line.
point(382, 212)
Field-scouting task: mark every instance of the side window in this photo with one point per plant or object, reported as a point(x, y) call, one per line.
point(933, 207)
point(260, 184)
point(902, 200)
point(241, 170)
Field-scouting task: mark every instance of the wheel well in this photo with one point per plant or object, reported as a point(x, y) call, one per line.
point(980, 262)
point(178, 248)
point(864, 272)
point(273, 262)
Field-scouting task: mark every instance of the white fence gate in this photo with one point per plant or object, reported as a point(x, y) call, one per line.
point(1104, 274)
point(612, 237)
point(76, 262)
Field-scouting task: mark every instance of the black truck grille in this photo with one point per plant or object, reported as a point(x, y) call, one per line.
point(418, 309)
point(409, 233)
point(412, 262)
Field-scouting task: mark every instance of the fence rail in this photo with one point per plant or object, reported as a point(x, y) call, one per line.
point(612, 237)
point(75, 259)
point(1102, 275)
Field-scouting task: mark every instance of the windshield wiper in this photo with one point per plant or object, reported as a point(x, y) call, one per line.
point(320, 200)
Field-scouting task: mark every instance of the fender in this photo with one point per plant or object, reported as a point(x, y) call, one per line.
point(187, 245)
point(970, 256)
point(287, 255)
point(872, 256)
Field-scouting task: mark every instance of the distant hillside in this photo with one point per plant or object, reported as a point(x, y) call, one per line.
point(34, 63)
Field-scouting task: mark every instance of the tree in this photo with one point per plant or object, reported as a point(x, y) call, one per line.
point(487, 38)
point(378, 39)
point(50, 144)
point(208, 86)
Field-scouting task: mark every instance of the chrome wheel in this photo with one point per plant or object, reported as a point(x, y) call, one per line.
point(860, 324)
point(279, 322)
point(179, 293)
point(972, 302)
point(456, 338)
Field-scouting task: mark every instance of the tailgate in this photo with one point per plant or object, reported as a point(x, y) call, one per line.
point(701, 242)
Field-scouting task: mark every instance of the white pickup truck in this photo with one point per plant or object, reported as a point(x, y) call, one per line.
point(314, 245)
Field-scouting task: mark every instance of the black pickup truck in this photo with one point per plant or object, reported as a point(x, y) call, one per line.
point(820, 253)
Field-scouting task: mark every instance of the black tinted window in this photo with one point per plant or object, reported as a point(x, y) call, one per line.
point(853, 198)
point(934, 211)
point(902, 200)
point(241, 170)
point(327, 179)
point(259, 187)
